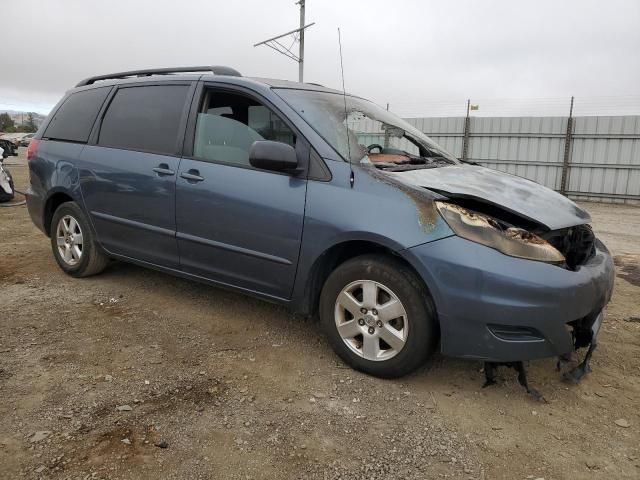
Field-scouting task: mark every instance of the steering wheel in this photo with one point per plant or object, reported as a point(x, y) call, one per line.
point(373, 146)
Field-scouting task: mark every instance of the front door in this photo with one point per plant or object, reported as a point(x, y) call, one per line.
point(128, 176)
point(236, 224)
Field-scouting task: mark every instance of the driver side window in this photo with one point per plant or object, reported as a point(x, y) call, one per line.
point(229, 123)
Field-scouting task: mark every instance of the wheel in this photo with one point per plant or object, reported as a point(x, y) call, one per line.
point(74, 246)
point(378, 316)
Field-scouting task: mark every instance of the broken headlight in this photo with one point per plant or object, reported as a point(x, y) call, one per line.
point(493, 233)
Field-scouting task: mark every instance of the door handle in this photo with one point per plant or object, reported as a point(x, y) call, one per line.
point(163, 169)
point(192, 176)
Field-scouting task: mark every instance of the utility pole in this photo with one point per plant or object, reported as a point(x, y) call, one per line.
point(465, 138)
point(386, 132)
point(566, 159)
point(301, 50)
point(274, 43)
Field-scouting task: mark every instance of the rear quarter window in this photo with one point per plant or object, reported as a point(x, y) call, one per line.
point(74, 120)
point(145, 118)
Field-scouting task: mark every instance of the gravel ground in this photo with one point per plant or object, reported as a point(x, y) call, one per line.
point(136, 374)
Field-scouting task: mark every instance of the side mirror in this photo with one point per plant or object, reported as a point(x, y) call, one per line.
point(276, 156)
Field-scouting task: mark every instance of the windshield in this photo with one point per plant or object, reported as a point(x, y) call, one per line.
point(367, 133)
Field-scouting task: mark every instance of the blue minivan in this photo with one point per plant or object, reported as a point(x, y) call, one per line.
point(268, 187)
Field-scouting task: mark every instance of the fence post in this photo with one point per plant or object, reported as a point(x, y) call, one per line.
point(465, 140)
point(566, 161)
point(386, 132)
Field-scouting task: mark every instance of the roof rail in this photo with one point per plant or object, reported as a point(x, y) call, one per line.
point(216, 69)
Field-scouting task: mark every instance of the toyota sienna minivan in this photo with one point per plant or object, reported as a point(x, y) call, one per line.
point(271, 188)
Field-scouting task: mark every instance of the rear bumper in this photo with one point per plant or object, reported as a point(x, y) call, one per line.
point(35, 206)
point(498, 308)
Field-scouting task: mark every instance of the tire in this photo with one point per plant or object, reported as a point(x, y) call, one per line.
point(90, 260)
point(417, 324)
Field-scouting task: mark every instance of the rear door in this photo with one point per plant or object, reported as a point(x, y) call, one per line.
point(236, 224)
point(128, 172)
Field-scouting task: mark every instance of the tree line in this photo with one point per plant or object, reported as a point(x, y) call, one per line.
point(7, 125)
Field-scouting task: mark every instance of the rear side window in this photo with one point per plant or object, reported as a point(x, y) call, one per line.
point(74, 119)
point(145, 118)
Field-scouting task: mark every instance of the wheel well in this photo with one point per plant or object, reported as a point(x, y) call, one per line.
point(335, 256)
point(51, 206)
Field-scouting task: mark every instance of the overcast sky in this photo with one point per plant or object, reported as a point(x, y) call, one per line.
point(420, 56)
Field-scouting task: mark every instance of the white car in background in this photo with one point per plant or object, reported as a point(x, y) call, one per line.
point(6, 182)
point(26, 140)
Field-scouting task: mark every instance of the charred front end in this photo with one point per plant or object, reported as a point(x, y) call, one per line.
point(509, 289)
point(577, 244)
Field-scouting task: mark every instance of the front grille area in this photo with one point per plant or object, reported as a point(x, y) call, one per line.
point(577, 244)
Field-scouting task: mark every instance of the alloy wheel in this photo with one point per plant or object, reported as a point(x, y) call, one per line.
point(371, 320)
point(69, 240)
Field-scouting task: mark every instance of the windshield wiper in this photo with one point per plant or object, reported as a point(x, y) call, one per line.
point(413, 163)
point(395, 167)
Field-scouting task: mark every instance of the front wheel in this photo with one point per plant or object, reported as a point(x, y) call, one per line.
point(73, 244)
point(378, 316)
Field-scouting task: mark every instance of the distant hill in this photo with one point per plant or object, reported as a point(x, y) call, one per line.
point(20, 117)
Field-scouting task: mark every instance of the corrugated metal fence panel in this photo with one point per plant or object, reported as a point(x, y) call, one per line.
point(605, 156)
point(445, 131)
point(530, 147)
point(368, 131)
point(605, 160)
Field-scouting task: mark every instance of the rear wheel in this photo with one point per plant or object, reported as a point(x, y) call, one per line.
point(378, 316)
point(73, 244)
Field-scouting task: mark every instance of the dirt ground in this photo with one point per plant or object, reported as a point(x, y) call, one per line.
point(136, 374)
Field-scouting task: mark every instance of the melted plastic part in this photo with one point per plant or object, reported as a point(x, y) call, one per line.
point(507, 239)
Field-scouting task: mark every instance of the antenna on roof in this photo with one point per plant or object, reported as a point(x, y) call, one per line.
point(298, 36)
point(346, 116)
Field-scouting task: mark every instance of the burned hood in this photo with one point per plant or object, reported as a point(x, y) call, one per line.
point(517, 195)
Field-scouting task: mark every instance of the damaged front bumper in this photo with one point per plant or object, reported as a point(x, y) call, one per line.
point(585, 335)
point(501, 309)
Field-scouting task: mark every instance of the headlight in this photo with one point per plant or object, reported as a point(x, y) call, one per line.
point(488, 231)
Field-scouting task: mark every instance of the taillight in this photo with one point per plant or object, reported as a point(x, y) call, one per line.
point(33, 145)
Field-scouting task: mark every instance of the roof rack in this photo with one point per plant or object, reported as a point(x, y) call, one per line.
point(216, 69)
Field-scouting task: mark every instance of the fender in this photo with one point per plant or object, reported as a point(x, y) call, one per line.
point(310, 266)
point(64, 179)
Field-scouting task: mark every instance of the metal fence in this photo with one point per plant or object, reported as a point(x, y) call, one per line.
point(588, 158)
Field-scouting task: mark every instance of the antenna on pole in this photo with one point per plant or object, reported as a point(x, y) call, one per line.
point(298, 36)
